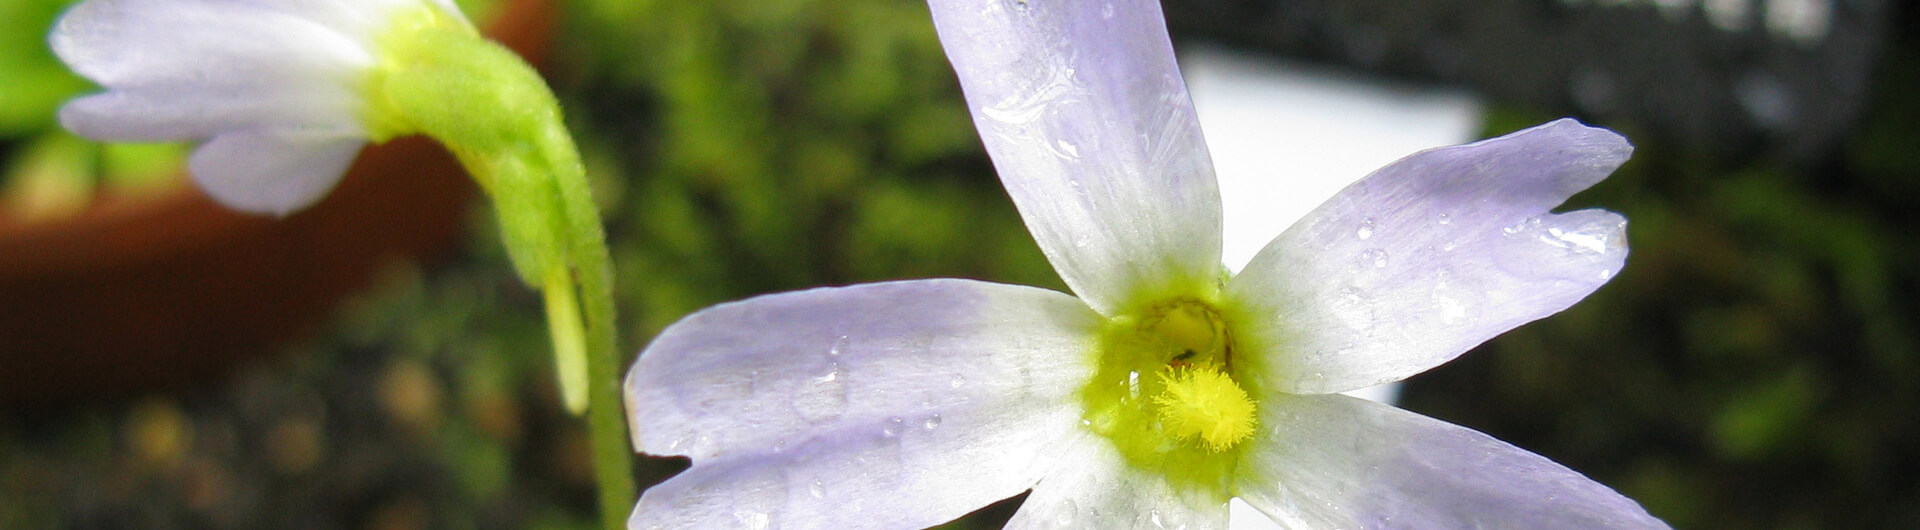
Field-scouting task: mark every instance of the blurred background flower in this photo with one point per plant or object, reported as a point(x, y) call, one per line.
point(1756, 357)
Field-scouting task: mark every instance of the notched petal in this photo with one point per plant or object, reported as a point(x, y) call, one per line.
point(1430, 256)
point(901, 404)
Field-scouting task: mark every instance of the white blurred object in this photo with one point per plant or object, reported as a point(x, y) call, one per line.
point(1285, 137)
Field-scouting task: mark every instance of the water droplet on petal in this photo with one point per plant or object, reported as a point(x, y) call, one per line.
point(839, 346)
point(893, 427)
point(1575, 241)
point(933, 422)
point(1366, 229)
point(817, 489)
point(1445, 219)
point(958, 381)
point(753, 519)
point(1067, 151)
point(1106, 11)
point(824, 397)
point(1375, 257)
point(1021, 5)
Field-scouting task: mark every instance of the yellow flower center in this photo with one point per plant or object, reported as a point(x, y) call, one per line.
point(1201, 402)
point(1165, 392)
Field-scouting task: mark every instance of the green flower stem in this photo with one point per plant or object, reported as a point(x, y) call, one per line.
point(439, 78)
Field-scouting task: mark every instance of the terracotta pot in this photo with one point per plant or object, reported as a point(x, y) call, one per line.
point(133, 295)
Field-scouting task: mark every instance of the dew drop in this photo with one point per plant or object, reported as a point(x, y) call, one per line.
point(933, 422)
point(1523, 226)
point(1366, 229)
point(1021, 5)
point(1577, 242)
point(893, 427)
point(1106, 11)
point(1374, 257)
point(824, 397)
point(1445, 219)
point(839, 346)
point(753, 519)
point(1068, 151)
point(958, 381)
point(817, 489)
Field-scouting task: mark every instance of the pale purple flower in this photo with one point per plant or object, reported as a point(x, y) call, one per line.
point(276, 92)
point(908, 404)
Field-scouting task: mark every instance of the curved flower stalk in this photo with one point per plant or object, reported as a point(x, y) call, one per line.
point(1163, 387)
point(282, 94)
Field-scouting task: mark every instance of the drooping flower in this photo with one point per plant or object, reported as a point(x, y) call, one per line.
point(281, 96)
point(278, 92)
point(1163, 387)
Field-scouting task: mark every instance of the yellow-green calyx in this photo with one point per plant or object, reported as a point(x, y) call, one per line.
point(435, 75)
point(1166, 395)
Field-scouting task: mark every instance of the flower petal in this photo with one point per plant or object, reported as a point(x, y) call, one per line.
point(273, 172)
point(1093, 133)
point(746, 375)
point(1093, 487)
point(1332, 461)
point(891, 404)
point(158, 115)
point(1430, 256)
point(916, 472)
point(221, 47)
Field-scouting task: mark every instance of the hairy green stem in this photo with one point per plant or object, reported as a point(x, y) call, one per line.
point(606, 422)
point(495, 113)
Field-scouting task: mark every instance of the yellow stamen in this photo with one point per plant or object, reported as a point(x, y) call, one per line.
point(1202, 402)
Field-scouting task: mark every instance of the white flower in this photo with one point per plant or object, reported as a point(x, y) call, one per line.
point(1165, 388)
point(276, 89)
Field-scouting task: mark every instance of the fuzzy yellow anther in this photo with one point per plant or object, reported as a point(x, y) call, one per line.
point(1202, 402)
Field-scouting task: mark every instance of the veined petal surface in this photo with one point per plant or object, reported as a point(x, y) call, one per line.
point(206, 48)
point(1093, 487)
point(745, 376)
point(889, 404)
point(272, 171)
point(1092, 131)
point(157, 115)
point(1332, 461)
point(1429, 257)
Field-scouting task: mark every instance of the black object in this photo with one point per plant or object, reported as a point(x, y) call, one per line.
point(1754, 77)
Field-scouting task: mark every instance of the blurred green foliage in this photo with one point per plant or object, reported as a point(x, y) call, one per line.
point(749, 148)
